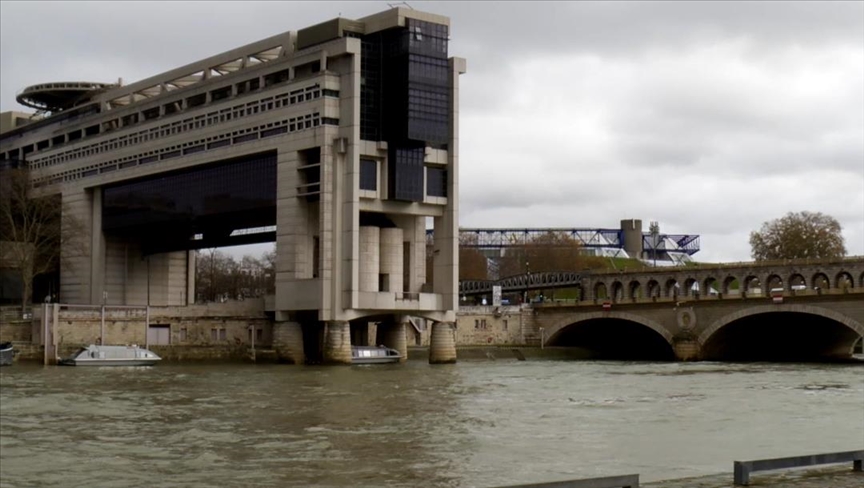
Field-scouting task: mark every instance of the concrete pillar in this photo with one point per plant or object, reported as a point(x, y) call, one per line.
point(77, 250)
point(190, 277)
point(369, 257)
point(442, 344)
point(288, 342)
point(115, 270)
point(97, 249)
point(337, 342)
point(394, 337)
point(165, 278)
point(631, 235)
point(391, 258)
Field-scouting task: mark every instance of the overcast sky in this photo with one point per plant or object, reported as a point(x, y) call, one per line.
point(710, 118)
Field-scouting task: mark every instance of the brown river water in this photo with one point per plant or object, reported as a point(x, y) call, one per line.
point(472, 424)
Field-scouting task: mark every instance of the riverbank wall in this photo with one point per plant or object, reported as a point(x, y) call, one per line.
point(234, 331)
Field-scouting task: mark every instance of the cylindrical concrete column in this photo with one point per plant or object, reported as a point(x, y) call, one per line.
point(391, 258)
point(442, 343)
point(394, 338)
point(337, 342)
point(370, 257)
point(288, 342)
point(631, 234)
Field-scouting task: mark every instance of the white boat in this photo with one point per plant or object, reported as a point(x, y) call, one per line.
point(374, 355)
point(97, 355)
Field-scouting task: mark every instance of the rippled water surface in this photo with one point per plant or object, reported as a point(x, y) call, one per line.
point(482, 423)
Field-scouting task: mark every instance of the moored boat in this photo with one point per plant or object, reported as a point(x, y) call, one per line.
point(98, 355)
point(374, 355)
point(7, 353)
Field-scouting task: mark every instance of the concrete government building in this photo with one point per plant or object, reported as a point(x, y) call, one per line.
point(337, 141)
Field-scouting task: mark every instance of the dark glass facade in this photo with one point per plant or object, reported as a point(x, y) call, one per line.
point(368, 174)
point(370, 88)
point(166, 211)
point(405, 98)
point(436, 181)
point(406, 173)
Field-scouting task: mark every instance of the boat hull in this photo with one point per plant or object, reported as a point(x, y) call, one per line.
point(6, 356)
point(374, 355)
point(107, 362)
point(384, 360)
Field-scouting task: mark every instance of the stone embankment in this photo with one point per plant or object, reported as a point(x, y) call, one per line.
point(839, 476)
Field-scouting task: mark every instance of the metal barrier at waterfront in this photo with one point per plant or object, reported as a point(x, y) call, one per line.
point(744, 468)
point(620, 481)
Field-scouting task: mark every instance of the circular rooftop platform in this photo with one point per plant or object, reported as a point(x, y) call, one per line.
point(58, 96)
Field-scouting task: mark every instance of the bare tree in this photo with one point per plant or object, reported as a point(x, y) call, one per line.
point(33, 229)
point(472, 263)
point(219, 275)
point(268, 261)
point(550, 251)
point(798, 236)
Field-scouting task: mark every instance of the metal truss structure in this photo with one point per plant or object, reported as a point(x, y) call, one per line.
point(681, 243)
point(242, 58)
point(607, 242)
point(520, 283)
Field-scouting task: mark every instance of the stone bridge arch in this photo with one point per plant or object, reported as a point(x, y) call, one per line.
point(855, 329)
point(574, 319)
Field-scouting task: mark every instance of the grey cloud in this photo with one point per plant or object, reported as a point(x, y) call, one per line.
point(710, 117)
point(516, 29)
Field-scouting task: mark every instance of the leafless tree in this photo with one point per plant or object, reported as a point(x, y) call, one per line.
point(798, 236)
point(218, 274)
point(550, 251)
point(472, 263)
point(33, 228)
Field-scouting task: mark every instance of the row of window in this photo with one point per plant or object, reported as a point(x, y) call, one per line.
point(192, 123)
point(293, 124)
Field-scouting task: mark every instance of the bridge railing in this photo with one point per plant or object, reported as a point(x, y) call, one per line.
point(775, 262)
point(682, 299)
point(693, 267)
point(744, 468)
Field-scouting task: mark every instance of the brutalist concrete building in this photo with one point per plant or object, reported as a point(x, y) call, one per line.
point(337, 141)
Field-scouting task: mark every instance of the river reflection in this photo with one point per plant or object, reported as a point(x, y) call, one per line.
point(482, 423)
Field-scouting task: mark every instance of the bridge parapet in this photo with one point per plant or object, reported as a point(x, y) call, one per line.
point(776, 297)
point(720, 281)
point(742, 279)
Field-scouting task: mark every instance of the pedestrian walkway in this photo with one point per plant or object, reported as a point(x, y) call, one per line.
point(840, 476)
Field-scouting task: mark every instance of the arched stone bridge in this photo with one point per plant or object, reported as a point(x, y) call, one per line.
point(768, 311)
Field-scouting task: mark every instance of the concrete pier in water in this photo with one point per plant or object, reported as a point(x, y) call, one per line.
point(337, 342)
point(442, 347)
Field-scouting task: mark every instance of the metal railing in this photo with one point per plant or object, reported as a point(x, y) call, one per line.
point(619, 481)
point(744, 468)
